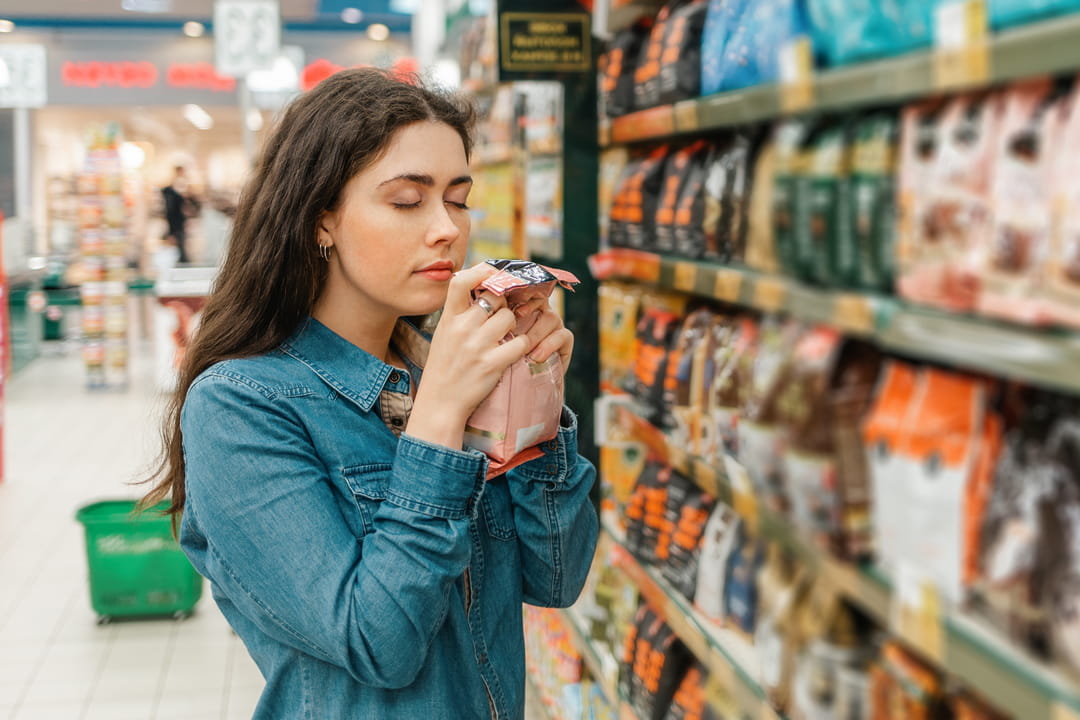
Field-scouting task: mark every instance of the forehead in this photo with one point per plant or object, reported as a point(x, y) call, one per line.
point(428, 147)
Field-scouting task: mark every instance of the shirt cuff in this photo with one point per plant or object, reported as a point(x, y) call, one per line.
point(436, 480)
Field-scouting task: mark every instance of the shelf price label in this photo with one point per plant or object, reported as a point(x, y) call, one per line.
point(916, 613)
point(796, 75)
point(247, 36)
point(770, 294)
point(685, 276)
point(686, 116)
point(961, 41)
point(23, 80)
point(854, 313)
point(728, 285)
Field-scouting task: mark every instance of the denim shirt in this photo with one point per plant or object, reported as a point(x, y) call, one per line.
point(369, 575)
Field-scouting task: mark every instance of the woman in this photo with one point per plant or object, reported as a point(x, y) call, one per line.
point(320, 486)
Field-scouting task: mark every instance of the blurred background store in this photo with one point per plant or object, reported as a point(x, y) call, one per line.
point(827, 353)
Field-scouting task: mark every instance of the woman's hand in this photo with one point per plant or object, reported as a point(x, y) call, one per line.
point(465, 361)
point(548, 331)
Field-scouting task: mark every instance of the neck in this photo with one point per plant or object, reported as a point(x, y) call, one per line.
point(364, 330)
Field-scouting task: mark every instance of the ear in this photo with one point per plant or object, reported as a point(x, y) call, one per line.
point(326, 229)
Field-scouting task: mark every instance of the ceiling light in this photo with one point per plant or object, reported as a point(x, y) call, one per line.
point(6, 26)
point(352, 15)
point(378, 32)
point(198, 117)
point(194, 29)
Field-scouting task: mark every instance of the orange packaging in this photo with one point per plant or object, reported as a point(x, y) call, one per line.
point(881, 434)
point(618, 304)
point(902, 687)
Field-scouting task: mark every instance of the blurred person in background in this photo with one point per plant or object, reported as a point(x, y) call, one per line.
point(179, 205)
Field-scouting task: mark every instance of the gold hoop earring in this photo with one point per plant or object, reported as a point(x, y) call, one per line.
point(324, 252)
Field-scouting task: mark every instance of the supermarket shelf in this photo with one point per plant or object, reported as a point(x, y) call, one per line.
point(603, 677)
point(730, 657)
point(1042, 48)
point(960, 645)
point(1043, 357)
point(623, 13)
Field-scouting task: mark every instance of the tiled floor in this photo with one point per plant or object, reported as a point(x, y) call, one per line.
point(64, 447)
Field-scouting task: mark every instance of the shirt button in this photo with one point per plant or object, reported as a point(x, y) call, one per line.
point(553, 446)
point(551, 469)
point(395, 377)
point(397, 422)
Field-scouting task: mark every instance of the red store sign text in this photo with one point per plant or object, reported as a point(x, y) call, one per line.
point(143, 74)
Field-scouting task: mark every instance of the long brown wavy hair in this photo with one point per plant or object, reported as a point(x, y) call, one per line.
point(272, 273)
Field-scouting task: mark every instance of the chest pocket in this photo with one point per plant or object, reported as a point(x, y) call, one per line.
point(368, 485)
point(498, 516)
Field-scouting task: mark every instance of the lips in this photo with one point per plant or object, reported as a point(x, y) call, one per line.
point(440, 271)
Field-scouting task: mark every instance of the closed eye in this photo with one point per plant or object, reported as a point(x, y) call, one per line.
point(406, 206)
point(458, 205)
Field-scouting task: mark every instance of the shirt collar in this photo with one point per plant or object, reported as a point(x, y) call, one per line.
point(354, 373)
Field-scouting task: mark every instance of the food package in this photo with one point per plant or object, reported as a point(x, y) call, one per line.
point(735, 345)
point(718, 542)
point(847, 31)
point(901, 686)
point(1059, 286)
point(872, 204)
point(676, 174)
point(680, 61)
point(1005, 13)
point(727, 187)
point(526, 405)
point(822, 220)
point(1010, 264)
point(617, 69)
point(687, 522)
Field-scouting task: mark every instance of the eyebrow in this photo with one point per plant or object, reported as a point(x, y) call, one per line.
point(426, 180)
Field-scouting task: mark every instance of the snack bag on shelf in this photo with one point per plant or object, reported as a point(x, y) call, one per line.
point(680, 61)
point(872, 193)
point(832, 654)
point(526, 405)
point(761, 436)
point(613, 162)
point(727, 186)
point(691, 701)
point(822, 220)
point(1064, 573)
point(688, 521)
point(691, 210)
point(647, 73)
point(687, 398)
point(941, 449)
point(645, 519)
point(1011, 261)
point(751, 52)
point(1059, 286)
point(636, 634)
point(618, 304)
point(882, 431)
point(790, 140)
point(760, 243)
point(1005, 13)
point(617, 66)
point(733, 357)
point(718, 541)
point(722, 18)
point(655, 331)
point(660, 527)
point(643, 195)
point(781, 584)
point(676, 175)
point(741, 586)
point(846, 31)
point(902, 687)
point(660, 660)
point(938, 261)
point(830, 390)
point(618, 215)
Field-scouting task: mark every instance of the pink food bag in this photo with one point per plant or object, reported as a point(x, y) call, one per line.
point(524, 408)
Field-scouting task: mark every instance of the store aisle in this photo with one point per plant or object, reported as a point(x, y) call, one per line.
point(66, 447)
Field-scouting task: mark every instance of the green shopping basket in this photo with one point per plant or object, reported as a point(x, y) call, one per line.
point(136, 567)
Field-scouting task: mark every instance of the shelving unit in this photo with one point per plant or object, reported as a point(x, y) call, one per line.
point(1042, 48)
point(960, 645)
point(1047, 358)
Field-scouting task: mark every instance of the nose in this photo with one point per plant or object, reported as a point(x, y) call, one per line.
point(444, 228)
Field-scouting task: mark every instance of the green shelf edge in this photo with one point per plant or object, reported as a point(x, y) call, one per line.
point(1045, 47)
point(1047, 358)
point(974, 655)
point(747, 685)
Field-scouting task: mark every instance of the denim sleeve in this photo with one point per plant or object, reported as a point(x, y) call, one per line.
point(264, 524)
point(555, 519)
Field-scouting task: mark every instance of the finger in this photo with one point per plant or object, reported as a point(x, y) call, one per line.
point(493, 329)
point(531, 306)
point(459, 293)
point(510, 352)
point(561, 341)
point(545, 325)
point(491, 304)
